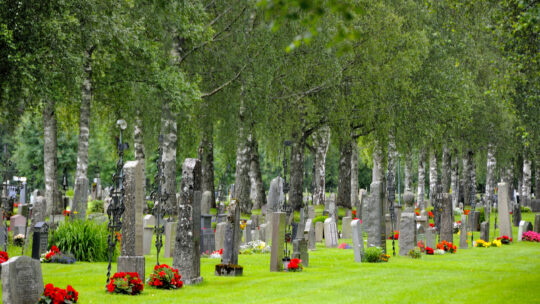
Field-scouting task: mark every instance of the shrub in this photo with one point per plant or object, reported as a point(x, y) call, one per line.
point(525, 209)
point(96, 206)
point(319, 218)
point(415, 253)
point(373, 255)
point(86, 240)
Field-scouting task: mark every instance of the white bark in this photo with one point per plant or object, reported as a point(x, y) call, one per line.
point(526, 186)
point(377, 171)
point(408, 172)
point(243, 160)
point(321, 141)
point(454, 180)
point(432, 177)
point(354, 173)
point(168, 146)
point(50, 160)
point(421, 179)
point(490, 173)
point(446, 169)
point(138, 147)
point(257, 194)
point(391, 167)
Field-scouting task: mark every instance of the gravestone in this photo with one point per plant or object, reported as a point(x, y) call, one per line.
point(208, 241)
point(149, 221)
point(40, 240)
point(22, 281)
point(247, 232)
point(231, 246)
point(319, 226)
point(388, 225)
point(39, 211)
point(524, 226)
point(346, 227)
point(300, 251)
point(535, 204)
point(148, 233)
point(463, 233)
point(516, 213)
point(330, 233)
point(311, 212)
point(361, 197)
point(255, 235)
point(505, 226)
point(187, 250)
point(375, 217)
point(447, 223)
point(206, 202)
point(420, 234)
point(131, 257)
point(17, 220)
point(484, 231)
point(221, 218)
point(431, 237)
point(269, 229)
point(220, 235)
point(106, 203)
point(170, 237)
point(332, 211)
point(255, 221)
point(262, 232)
point(358, 240)
point(3, 234)
point(309, 231)
point(537, 223)
point(423, 219)
point(474, 221)
point(407, 233)
point(275, 195)
point(80, 198)
point(278, 239)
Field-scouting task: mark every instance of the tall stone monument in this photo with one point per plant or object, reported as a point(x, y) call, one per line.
point(358, 240)
point(447, 224)
point(504, 210)
point(187, 255)
point(375, 217)
point(131, 257)
point(278, 239)
point(407, 224)
point(80, 198)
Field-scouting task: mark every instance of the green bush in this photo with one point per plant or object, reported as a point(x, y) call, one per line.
point(415, 253)
point(525, 209)
point(373, 255)
point(86, 240)
point(96, 206)
point(319, 218)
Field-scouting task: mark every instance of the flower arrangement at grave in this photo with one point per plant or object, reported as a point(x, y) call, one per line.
point(3, 257)
point(447, 246)
point(396, 235)
point(243, 225)
point(421, 246)
point(344, 246)
point(430, 214)
point(531, 236)
point(165, 277)
point(254, 247)
point(55, 256)
point(56, 295)
point(431, 225)
point(429, 250)
point(295, 265)
point(496, 243)
point(384, 257)
point(482, 244)
point(66, 213)
point(216, 254)
point(505, 239)
point(18, 240)
point(125, 283)
point(417, 212)
point(439, 252)
point(354, 215)
point(466, 212)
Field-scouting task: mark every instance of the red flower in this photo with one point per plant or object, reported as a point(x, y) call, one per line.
point(417, 213)
point(466, 211)
point(3, 256)
point(429, 250)
point(430, 214)
point(354, 213)
point(431, 225)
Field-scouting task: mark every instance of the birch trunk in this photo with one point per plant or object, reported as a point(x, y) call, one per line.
point(243, 160)
point(297, 172)
point(377, 171)
point(257, 195)
point(169, 144)
point(391, 169)
point(206, 151)
point(408, 172)
point(490, 173)
point(354, 173)
point(138, 147)
point(421, 179)
point(537, 177)
point(454, 180)
point(432, 177)
point(446, 169)
point(473, 180)
point(321, 141)
point(80, 196)
point(50, 159)
point(344, 178)
point(465, 178)
point(526, 186)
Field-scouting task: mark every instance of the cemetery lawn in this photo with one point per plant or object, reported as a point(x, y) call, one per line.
point(479, 275)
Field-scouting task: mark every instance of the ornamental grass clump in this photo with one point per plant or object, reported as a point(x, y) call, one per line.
point(56, 295)
point(125, 283)
point(86, 240)
point(165, 277)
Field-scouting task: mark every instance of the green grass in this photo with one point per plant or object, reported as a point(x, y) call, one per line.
point(478, 275)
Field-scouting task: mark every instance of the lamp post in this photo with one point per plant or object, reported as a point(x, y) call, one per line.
point(160, 197)
point(117, 207)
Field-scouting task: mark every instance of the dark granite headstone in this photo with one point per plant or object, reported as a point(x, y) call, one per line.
point(208, 240)
point(535, 204)
point(40, 241)
point(300, 251)
point(516, 214)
